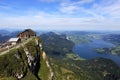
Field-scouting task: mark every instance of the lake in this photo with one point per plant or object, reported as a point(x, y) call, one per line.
point(86, 51)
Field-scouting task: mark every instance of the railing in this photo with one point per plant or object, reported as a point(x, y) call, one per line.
point(7, 48)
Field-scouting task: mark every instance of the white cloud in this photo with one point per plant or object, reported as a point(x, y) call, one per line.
point(101, 16)
point(81, 2)
point(45, 21)
point(72, 6)
point(112, 8)
point(69, 9)
point(4, 6)
point(102, 9)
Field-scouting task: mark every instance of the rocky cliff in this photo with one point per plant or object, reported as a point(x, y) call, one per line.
point(25, 61)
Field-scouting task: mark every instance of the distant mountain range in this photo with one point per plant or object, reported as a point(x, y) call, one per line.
point(4, 38)
point(56, 44)
point(4, 32)
point(5, 35)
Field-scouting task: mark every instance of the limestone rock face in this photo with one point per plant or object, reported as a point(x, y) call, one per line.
point(24, 60)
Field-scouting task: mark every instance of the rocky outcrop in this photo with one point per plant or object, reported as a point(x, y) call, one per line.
point(26, 61)
point(34, 61)
point(48, 65)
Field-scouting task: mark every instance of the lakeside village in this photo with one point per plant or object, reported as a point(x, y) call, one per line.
point(21, 37)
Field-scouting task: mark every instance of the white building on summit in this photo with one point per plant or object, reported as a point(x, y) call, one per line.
point(14, 41)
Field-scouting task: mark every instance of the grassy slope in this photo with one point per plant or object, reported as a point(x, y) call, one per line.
point(96, 69)
point(9, 64)
point(44, 71)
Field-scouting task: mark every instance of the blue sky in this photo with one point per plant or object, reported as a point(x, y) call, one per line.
point(60, 14)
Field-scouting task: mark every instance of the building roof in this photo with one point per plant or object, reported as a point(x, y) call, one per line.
point(13, 39)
